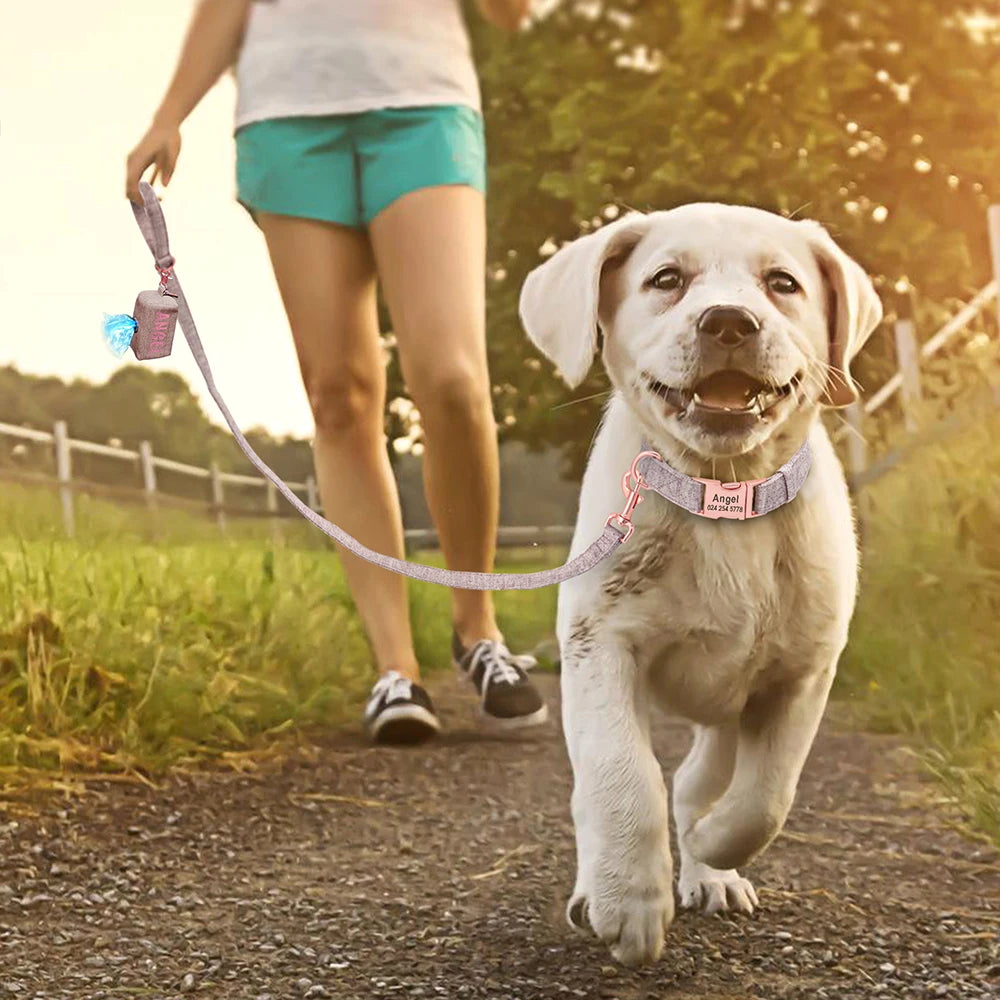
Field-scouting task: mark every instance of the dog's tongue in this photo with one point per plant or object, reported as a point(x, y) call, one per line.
point(727, 390)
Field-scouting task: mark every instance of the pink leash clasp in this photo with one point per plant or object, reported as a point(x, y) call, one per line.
point(633, 484)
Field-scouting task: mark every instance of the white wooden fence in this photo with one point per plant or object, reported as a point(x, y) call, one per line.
point(64, 447)
point(906, 380)
point(149, 464)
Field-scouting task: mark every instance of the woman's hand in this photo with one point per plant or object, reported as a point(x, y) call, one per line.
point(211, 46)
point(161, 145)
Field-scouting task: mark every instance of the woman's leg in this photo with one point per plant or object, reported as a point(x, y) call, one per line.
point(326, 276)
point(430, 248)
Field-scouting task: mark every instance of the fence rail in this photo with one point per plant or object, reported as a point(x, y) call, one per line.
point(906, 380)
point(68, 486)
point(906, 346)
point(149, 464)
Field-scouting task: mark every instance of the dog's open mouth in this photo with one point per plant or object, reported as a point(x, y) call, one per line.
point(729, 392)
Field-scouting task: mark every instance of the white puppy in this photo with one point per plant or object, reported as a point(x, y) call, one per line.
point(725, 330)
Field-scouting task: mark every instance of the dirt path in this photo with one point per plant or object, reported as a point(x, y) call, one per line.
point(443, 872)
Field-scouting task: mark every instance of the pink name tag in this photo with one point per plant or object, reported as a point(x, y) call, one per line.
point(156, 316)
point(729, 500)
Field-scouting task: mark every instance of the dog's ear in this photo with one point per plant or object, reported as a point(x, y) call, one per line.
point(560, 298)
point(854, 312)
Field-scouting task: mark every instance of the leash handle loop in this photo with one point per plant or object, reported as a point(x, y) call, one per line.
point(153, 226)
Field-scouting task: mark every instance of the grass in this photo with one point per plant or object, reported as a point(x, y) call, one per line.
point(117, 653)
point(141, 645)
point(924, 656)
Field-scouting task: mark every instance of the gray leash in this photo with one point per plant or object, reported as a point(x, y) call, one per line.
point(709, 498)
point(153, 226)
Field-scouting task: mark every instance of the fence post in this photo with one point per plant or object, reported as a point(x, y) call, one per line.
point(312, 498)
point(993, 218)
point(908, 359)
point(272, 513)
point(218, 497)
point(857, 460)
point(148, 474)
point(64, 473)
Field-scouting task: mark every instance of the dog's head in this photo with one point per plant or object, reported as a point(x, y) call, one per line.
point(720, 323)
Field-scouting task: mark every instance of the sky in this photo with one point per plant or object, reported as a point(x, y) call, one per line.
point(78, 85)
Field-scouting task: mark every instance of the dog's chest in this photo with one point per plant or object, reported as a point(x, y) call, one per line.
point(707, 606)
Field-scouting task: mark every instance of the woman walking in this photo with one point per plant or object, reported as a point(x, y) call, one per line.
point(360, 156)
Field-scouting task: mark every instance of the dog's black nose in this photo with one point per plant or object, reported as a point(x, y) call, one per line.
point(729, 325)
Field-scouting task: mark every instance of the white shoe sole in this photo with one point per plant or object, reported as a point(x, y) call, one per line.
point(398, 716)
point(536, 718)
point(515, 721)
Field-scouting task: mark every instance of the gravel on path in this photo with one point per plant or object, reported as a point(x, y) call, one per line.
point(443, 872)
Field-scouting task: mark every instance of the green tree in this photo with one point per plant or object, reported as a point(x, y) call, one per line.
point(139, 404)
point(877, 117)
point(30, 400)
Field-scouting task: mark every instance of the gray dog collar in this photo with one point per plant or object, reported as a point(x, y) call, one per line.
point(715, 499)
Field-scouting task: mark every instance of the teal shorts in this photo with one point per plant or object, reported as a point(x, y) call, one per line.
point(348, 168)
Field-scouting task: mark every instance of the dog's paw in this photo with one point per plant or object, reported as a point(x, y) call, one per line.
point(713, 891)
point(629, 913)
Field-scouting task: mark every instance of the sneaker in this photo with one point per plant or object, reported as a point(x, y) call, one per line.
point(506, 695)
point(399, 711)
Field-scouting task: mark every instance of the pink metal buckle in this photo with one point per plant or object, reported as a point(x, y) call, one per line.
point(632, 485)
point(729, 500)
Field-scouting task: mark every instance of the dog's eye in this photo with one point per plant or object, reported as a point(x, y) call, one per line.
point(781, 282)
point(667, 279)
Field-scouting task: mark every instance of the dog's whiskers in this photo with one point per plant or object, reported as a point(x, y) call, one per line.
point(582, 399)
point(822, 371)
point(801, 208)
point(837, 375)
point(850, 428)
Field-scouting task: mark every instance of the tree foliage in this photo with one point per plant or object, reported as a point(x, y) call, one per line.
point(877, 117)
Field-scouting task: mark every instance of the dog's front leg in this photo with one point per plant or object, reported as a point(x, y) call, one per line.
point(776, 731)
point(699, 782)
point(624, 880)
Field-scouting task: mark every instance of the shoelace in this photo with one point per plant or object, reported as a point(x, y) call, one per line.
point(391, 686)
point(499, 663)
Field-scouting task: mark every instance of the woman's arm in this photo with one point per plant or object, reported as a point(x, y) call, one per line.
point(210, 47)
point(506, 14)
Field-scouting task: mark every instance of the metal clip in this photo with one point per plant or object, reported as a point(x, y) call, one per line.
point(632, 485)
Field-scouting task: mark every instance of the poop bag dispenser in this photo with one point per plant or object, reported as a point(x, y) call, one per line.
point(149, 331)
point(155, 315)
